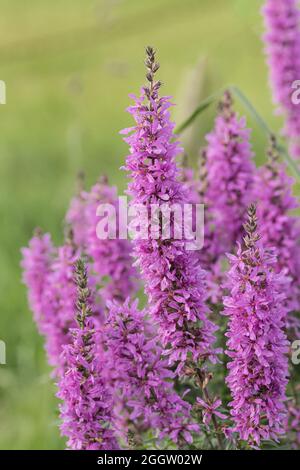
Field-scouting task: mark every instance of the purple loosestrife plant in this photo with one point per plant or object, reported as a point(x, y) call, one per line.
point(174, 279)
point(87, 402)
point(229, 175)
point(76, 219)
point(141, 378)
point(110, 258)
point(211, 256)
point(59, 297)
point(36, 264)
point(282, 45)
point(280, 229)
point(257, 344)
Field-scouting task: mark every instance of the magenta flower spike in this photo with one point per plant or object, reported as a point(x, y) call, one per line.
point(280, 228)
point(110, 258)
point(229, 176)
point(257, 344)
point(173, 277)
point(282, 45)
point(59, 297)
point(36, 264)
point(87, 401)
point(140, 377)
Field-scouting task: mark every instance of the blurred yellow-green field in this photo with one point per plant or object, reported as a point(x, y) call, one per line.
point(68, 68)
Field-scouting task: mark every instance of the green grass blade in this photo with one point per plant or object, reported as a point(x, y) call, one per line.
point(202, 107)
point(266, 129)
point(249, 106)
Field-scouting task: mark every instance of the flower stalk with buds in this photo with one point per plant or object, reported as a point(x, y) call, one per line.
point(257, 344)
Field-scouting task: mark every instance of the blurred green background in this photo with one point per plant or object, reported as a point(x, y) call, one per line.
point(68, 68)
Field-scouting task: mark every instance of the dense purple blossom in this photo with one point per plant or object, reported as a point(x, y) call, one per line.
point(282, 39)
point(229, 176)
point(280, 228)
point(211, 256)
point(36, 265)
point(141, 378)
point(87, 402)
point(110, 258)
point(77, 220)
point(174, 279)
point(59, 297)
point(257, 344)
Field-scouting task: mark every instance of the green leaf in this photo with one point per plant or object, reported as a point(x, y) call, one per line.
point(292, 164)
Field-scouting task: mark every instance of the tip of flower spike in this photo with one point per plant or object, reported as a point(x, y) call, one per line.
point(251, 228)
point(38, 232)
point(83, 292)
point(103, 180)
point(69, 235)
point(80, 178)
point(203, 172)
point(152, 67)
point(225, 105)
point(272, 151)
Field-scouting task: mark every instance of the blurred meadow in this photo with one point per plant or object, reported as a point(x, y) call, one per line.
point(68, 68)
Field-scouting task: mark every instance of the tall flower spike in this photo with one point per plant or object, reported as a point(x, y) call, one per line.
point(257, 344)
point(36, 264)
point(87, 402)
point(141, 379)
point(174, 280)
point(282, 45)
point(58, 305)
point(280, 229)
point(211, 256)
point(229, 174)
point(110, 258)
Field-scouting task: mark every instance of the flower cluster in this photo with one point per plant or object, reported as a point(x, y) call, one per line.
point(280, 228)
point(282, 43)
point(174, 280)
point(87, 402)
point(131, 378)
point(257, 344)
point(141, 378)
point(229, 174)
point(111, 257)
point(36, 265)
point(58, 301)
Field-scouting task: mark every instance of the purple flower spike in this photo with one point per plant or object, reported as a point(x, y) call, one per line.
point(229, 175)
point(280, 229)
point(257, 344)
point(87, 402)
point(59, 297)
point(36, 264)
point(282, 45)
point(173, 277)
point(141, 378)
point(111, 258)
